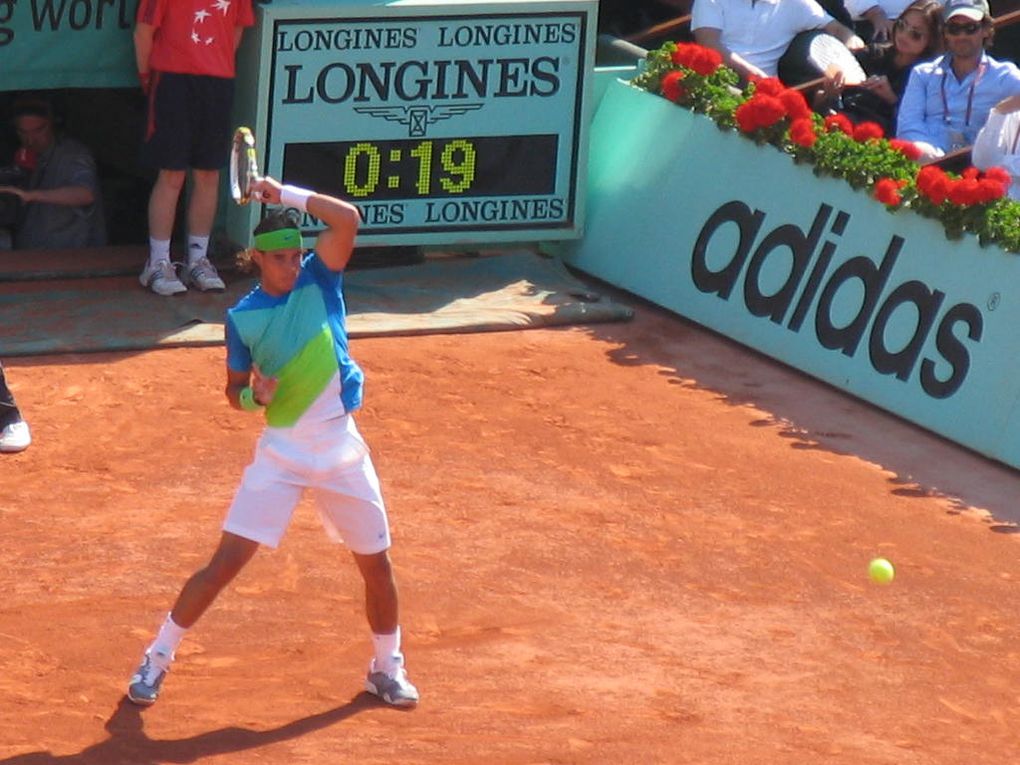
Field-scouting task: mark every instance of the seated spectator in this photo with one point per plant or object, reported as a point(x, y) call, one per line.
point(61, 203)
point(998, 142)
point(14, 433)
point(917, 36)
point(947, 101)
point(752, 36)
point(874, 19)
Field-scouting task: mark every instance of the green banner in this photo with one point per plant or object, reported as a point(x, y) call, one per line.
point(66, 44)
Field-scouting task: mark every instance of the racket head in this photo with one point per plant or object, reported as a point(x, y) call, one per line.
point(244, 165)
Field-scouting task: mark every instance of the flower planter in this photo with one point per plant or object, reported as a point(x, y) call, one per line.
point(742, 240)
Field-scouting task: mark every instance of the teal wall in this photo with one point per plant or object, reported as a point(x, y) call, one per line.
point(738, 238)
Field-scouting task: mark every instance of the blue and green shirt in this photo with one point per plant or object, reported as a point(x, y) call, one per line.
point(301, 339)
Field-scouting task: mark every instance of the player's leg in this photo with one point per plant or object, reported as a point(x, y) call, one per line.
point(259, 514)
point(199, 271)
point(198, 593)
point(352, 510)
point(14, 433)
point(212, 102)
point(166, 146)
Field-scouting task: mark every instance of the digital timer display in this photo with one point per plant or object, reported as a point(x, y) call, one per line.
point(419, 168)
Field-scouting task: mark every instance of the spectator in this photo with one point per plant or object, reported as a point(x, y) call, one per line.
point(874, 19)
point(752, 36)
point(917, 36)
point(61, 201)
point(947, 101)
point(998, 142)
point(14, 433)
point(186, 56)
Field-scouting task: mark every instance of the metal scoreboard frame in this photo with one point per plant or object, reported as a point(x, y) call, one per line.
point(446, 123)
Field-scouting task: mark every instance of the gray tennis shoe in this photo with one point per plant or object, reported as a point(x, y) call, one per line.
point(203, 274)
point(392, 687)
point(146, 682)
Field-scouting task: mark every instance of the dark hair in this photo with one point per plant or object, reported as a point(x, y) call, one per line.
point(933, 20)
point(284, 217)
point(32, 106)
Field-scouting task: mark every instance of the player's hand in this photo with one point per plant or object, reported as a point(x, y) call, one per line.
point(19, 193)
point(879, 85)
point(266, 190)
point(263, 387)
point(1007, 105)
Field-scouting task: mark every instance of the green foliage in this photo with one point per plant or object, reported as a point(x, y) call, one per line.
point(861, 163)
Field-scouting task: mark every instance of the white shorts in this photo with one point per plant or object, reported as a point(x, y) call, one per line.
point(331, 459)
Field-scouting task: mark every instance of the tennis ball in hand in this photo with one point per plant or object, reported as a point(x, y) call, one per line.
point(881, 571)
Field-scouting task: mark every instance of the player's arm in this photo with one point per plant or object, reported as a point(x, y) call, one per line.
point(263, 387)
point(334, 245)
point(845, 35)
point(68, 196)
point(710, 37)
point(143, 51)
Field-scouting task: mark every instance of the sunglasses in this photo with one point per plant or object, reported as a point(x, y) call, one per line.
point(971, 28)
point(913, 33)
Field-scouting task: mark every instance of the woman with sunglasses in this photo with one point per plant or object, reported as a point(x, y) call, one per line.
point(916, 37)
point(947, 101)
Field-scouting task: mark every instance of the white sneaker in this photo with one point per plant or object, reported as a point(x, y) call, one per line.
point(161, 278)
point(15, 437)
point(392, 687)
point(202, 274)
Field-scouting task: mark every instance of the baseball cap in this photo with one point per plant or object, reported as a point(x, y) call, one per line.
point(975, 10)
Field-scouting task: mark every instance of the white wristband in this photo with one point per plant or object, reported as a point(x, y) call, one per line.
point(293, 196)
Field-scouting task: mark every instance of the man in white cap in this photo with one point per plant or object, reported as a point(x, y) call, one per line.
point(947, 100)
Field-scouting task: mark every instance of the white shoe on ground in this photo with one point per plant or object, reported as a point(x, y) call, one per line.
point(161, 278)
point(202, 274)
point(15, 437)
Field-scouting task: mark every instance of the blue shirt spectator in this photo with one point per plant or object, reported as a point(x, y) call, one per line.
point(947, 101)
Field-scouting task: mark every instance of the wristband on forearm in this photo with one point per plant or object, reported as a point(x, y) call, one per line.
point(293, 196)
point(247, 400)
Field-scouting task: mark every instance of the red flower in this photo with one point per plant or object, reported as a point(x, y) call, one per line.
point(769, 86)
point(990, 189)
point(999, 174)
point(672, 87)
point(700, 59)
point(887, 191)
point(759, 112)
point(933, 183)
point(865, 131)
point(907, 148)
point(839, 122)
point(971, 173)
point(964, 191)
point(802, 132)
point(796, 107)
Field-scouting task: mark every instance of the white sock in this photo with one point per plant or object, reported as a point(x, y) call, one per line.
point(387, 652)
point(159, 249)
point(198, 247)
point(168, 638)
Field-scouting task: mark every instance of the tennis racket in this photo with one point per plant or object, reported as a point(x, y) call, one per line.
point(244, 166)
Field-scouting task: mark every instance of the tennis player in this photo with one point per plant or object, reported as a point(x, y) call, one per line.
point(287, 357)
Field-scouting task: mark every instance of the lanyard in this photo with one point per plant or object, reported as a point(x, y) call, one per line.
point(970, 94)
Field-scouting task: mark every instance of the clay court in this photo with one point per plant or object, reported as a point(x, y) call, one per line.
point(619, 543)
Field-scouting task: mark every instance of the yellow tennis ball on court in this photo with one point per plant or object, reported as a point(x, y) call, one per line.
point(881, 571)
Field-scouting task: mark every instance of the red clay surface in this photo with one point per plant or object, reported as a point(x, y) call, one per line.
point(626, 543)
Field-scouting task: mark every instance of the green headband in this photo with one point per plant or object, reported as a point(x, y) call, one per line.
point(281, 239)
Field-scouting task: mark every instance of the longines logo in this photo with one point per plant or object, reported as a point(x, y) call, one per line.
point(810, 289)
point(417, 118)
